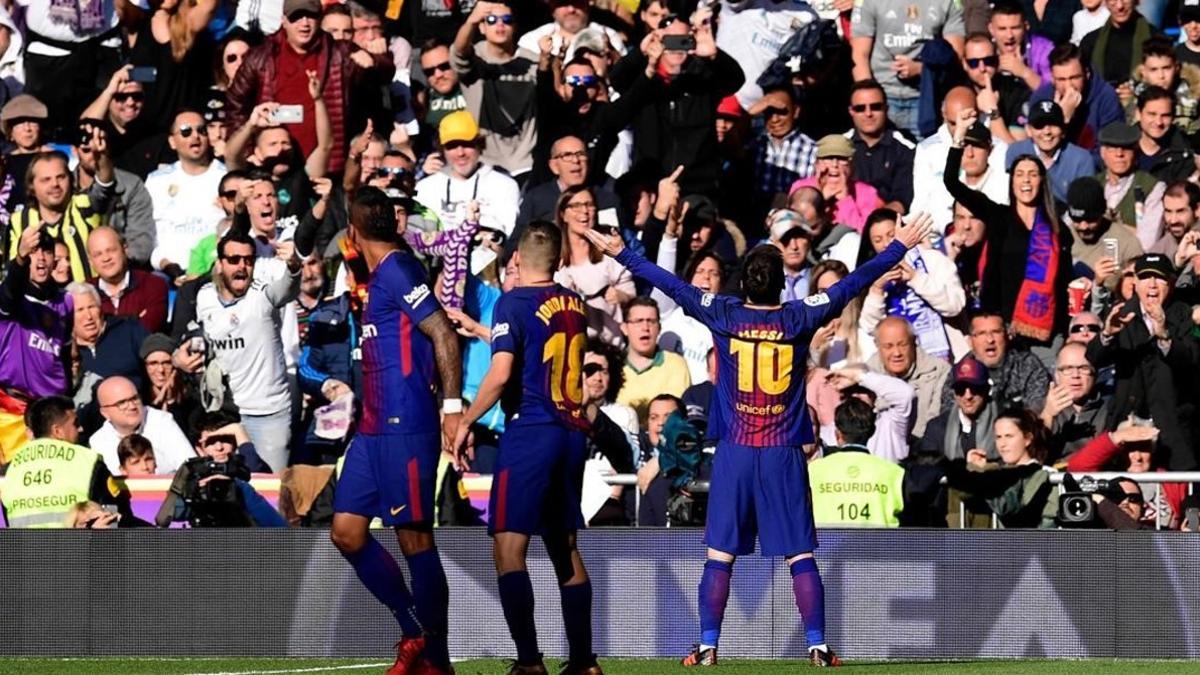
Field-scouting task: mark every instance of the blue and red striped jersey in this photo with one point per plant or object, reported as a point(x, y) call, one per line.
point(762, 353)
point(545, 329)
point(397, 358)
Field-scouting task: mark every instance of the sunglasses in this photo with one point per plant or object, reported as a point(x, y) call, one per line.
point(185, 130)
point(593, 368)
point(229, 194)
point(303, 14)
point(441, 67)
point(219, 438)
point(1081, 327)
point(582, 80)
point(453, 145)
point(239, 259)
point(135, 96)
point(962, 389)
point(1135, 497)
point(864, 107)
point(385, 171)
point(493, 19)
point(773, 111)
point(989, 61)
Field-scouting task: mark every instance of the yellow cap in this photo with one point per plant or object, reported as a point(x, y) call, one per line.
point(457, 126)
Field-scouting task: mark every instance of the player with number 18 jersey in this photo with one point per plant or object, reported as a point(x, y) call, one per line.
point(539, 468)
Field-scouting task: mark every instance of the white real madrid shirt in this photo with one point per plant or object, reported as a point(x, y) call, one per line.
point(185, 210)
point(245, 338)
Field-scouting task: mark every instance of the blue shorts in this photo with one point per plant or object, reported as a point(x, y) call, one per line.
point(538, 480)
point(760, 492)
point(391, 476)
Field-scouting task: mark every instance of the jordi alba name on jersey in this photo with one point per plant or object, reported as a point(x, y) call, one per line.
point(545, 329)
point(397, 358)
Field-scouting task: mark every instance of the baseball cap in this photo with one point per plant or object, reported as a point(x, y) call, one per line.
point(977, 135)
point(834, 145)
point(292, 6)
point(785, 224)
point(214, 108)
point(702, 209)
point(1120, 135)
point(729, 107)
point(972, 372)
point(1046, 113)
point(1189, 11)
point(156, 342)
point(457, 126)
point(1154, 265)
point(1085, 199)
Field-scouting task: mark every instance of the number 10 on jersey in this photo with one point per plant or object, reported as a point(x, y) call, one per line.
point(765, 364)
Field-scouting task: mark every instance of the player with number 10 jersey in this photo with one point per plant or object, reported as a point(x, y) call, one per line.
point(759, 488)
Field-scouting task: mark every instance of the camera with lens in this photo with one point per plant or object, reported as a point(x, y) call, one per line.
point(1077, 509)
point(218, 502)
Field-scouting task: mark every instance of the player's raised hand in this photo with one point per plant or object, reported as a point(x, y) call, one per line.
point(914, 229)
point(610, 244)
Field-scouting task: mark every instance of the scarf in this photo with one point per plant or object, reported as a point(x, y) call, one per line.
point(1034, 313)
point(5, 193)
point(86, 15)
point(509, 96)
point(902, 300)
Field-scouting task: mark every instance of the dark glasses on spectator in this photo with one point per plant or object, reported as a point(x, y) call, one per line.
point(443, 66)
point(185, 130)
point(582, 80)
point(385, 171)
point(229, 194)
point(493, 19)
point(458, 144)
point(990, 61)
point(591, 369)
point(962, 389)
point(239, 259)
point(1080, 327)
point(864, 107)
point(1135, 497)
point(218, 438)
point(135, 96)
point(773, 111)
point(303, 14)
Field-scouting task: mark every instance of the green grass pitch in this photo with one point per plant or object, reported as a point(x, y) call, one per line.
point(288, 666)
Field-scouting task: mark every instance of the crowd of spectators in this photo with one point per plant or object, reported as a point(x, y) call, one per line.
point(179, 297)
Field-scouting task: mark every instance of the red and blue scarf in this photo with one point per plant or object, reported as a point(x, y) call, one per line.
point(1034, 314)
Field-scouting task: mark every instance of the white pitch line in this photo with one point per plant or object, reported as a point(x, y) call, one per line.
point(322, 669)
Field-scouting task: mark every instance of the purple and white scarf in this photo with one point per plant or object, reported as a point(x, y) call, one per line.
point(85, 15)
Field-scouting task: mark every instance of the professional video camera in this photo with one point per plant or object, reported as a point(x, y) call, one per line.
point(218, 502)
point(1077, 509)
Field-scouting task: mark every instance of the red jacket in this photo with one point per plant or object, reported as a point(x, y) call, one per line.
point(256, 80)
point(1099, 452)
point(145, 299)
